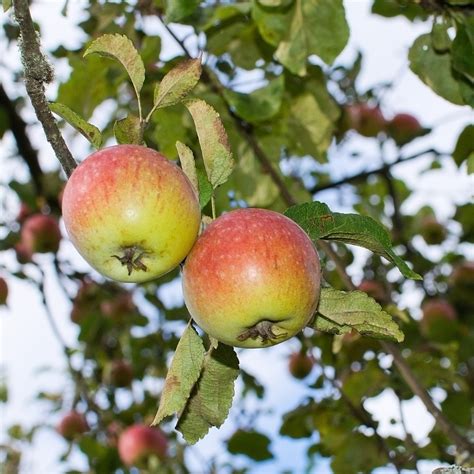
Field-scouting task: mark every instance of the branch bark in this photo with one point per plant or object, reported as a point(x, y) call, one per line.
point(39, 72)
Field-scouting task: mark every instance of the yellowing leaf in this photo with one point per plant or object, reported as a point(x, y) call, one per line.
point(182, 375)
point(89, 131)
point(129, 130)
point(213, 140)
point(186, 158)
point(120, 48)
point(177, 83)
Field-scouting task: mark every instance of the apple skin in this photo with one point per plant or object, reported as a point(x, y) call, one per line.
point(72, 425)
point(131, 213)
point(300, 365)
point(403, 128)
point(365, 119)
point(374, 289)
point(3, 292)
point(436, 312)
point(433, 232)
point(252, 279)
point(139, 441)
point(40, 234)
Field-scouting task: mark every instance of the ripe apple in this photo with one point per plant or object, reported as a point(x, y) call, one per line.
point(438, 318)
point(72, 425)
point(3, 291)
point(403, 128)
point(23, 213)
point(119, 373)
point(139, 441)
point(432, 231)
point(23, 253)
point(252, 279)
point(374, 289)
point(365, 119)
point(131, 213)
point(461, 288)
point(40, 234)
point(300, 365)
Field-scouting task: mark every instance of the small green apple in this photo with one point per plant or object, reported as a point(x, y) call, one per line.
point(131, 213)
point(252, 279)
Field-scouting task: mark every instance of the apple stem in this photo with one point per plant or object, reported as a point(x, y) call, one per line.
point(130, 260)
point(263, 329)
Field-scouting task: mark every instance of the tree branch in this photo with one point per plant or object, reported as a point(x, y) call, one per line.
point(365, 174)
point(39, 72)
point(23, 143)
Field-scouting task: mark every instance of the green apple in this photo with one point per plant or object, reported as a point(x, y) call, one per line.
point(131, 213)
point(252, 279)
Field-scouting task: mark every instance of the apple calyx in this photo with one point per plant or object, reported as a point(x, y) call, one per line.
point(264, 330)
point(131, 260)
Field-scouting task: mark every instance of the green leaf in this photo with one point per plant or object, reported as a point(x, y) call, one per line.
point(250, 443)
point(129, 130)
point(186, 158)
point(434, 69)
point(340, 311)
point(262, 104)
point(391, 8)
point(182, 374)
point(320, 223)
point(440, 37)
point(89, 131)
point(462, 50)
point(464, 146)
point(176, 10)
point(205, 188)
point(309, 27)
point(6, 5)
point(120, 48)
point(214, 142)
point(212, 396)
point(177, 83)
point(470, 164)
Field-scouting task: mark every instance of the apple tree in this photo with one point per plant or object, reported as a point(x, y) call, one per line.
point(253, 109)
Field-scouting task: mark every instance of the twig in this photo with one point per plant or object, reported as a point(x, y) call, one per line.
point(365, 174)
point(39, 72)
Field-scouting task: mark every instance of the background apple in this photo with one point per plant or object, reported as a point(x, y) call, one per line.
point(72, 424)
point(119, 373)
point(3, 291)
point(433, 232)
point(139, 441)
point(300, 365)
point(252, 278)
point(461, 289)
point(131, 230)
point(40, 234)
point(439, 320)
point(403, 128)
point(365, 119)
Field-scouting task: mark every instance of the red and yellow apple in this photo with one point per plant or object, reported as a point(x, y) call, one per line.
point(252, 279)
point(72, 425)
point(131, 213)
point(140, 441)
point(300, 365)
point(40, 234)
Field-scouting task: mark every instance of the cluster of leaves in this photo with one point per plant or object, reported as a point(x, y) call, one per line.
point(292, 115)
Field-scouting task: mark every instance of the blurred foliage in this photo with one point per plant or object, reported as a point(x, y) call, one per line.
point(271, 72)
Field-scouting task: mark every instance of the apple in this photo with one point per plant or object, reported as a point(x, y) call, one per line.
point(300, 365)
point(131, 213)
point(365, 119)
point(438, 318)
point(118, 307)
point(23, 253)
point(23, 213)
point(138, 442)
point(252, 279)
point(461, 287)
point(40, 234)
point(403, 128)
point(3, 291)
point(119, 373)
point(432, 231)
point(374, 289)
point(72, 425)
